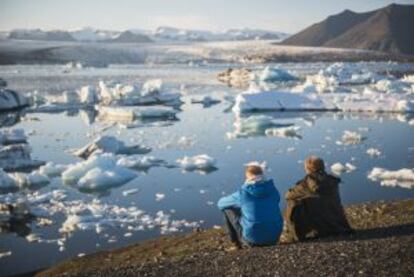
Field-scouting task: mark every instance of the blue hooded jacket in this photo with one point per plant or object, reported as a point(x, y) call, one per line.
point(261, 220)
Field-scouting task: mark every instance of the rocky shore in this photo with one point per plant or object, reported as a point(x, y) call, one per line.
point(383, 245)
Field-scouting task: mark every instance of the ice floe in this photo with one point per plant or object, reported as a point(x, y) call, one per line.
point(338, 168)
point(129, 114)
point(140, 162)
point(98, 172)
point(254, 125)
point(274, 74)
point(284, 132)
point(373, 152)
point(350, 137)
point(203, 163)
point(109, 144)
point(402, 178)
point(10, 100)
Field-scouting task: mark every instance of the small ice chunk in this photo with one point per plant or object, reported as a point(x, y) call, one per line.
point(5, 254)
point(129, 192)
point(109, 144)
point(32, 180)
point(200, 162)
point(275, 74)
point(140, 162)
point(159, 196)
point(88, 95)
point(7, 182)
point(151, 87)
point(12, 136)
point(403, 177)
point(350, 137)
point(338, 168)
point(51, 169)
point(284, 132)
point(373, 152)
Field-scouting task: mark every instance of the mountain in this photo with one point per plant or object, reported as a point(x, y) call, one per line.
point(129, 37)
point(389, 29)
point(38, 34)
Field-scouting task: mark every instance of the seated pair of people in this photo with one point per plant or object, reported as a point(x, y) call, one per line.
point(314, 208)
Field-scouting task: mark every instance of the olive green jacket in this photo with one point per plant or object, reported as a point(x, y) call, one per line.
point(314, 208)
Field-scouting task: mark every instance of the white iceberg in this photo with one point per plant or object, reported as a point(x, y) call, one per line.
point(338, 168)
point(139, 162)
point(12, 136)
point(274, 74)
point(10, 100)
point(254, 125)
point(51, 169)
point(403, 177)
point(284, 132)
point(199, 162)
point(17, 157)
point(129, 114)
point(350, 137)
point(98, 172)
point(373, 152)
point(109, 144)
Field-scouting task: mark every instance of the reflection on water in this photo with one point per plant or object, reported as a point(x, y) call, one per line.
point(231, 140)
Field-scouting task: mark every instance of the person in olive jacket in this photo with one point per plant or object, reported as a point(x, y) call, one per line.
point(314, 206)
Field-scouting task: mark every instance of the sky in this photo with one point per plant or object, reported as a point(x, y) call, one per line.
point(279, 15)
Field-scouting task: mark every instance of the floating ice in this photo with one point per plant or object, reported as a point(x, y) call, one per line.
point(403, 177)
point(206, 101)
point(140, 162)
point(10, 100)
point(51, 169)
point(5, 254)
point(16, 157)
point(98, 172)
point(254, 125)
point(373, 152)
point(393, 86)
point(12, 136)
point(32, 180)
point(128, 114)
point(338, 168)
point(278, 101)
point(159, 196)
point(275, 74)
point(109, 144)
point(130, 192)
point(152, 87)
point(6, 182)
point(350, 137)
point(199, 162)
point(284, 132)
point(88, 95)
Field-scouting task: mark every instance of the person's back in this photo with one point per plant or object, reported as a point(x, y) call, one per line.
point(314, 206)
point(252, 213)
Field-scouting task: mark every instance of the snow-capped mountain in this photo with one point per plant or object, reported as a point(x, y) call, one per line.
point(163, 33)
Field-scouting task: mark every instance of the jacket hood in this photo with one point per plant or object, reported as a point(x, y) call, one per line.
point(259, 189)
point(322, 182)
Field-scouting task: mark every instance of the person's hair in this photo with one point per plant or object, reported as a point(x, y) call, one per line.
point(314, 164)
point(254, 170)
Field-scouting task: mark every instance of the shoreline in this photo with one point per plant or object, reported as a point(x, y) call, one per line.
point(384, 237)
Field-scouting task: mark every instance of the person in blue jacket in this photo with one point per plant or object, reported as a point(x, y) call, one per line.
point(252, 213)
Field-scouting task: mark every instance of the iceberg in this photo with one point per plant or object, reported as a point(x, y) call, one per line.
point(197, 163)
point(10, 100)
point(254, 125)
point(98, 172)
point(279, 101)
point(12, 136)
point(403, 177)
point(274, 74)
point(51, 169)
point(140, 162)
point(109, 144)
point(7, 183)
point(129, 114)
point(32, 180)
point(17, 157)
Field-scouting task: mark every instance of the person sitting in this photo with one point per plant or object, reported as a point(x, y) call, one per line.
point(314, 206)
point(252, 213)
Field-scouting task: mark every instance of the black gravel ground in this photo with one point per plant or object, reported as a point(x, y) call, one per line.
point(383, 245)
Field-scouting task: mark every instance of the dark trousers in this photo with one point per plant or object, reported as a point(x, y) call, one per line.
point(232, 218)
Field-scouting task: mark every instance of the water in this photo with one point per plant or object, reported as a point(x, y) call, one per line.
point(192, 195)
